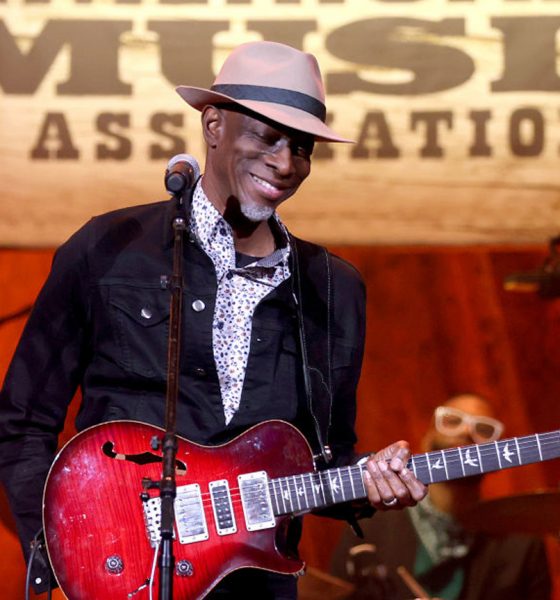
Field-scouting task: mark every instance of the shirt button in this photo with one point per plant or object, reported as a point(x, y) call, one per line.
point(200, 372)
point(146, 313)
point(198, 305)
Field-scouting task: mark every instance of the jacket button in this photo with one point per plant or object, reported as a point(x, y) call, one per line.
point(146, 313)
point(200, 372)
point(198, 305)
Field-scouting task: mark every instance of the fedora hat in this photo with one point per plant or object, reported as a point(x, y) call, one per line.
point(273, 80)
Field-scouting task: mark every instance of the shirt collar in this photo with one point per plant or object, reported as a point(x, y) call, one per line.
point(211, 230)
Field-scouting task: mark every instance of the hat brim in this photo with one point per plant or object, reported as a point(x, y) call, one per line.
point(283, 114)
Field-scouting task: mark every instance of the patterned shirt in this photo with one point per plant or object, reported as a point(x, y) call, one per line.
point(240, 289)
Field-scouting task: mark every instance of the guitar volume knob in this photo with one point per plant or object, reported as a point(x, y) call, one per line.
point(184, 568)
point(114, 564)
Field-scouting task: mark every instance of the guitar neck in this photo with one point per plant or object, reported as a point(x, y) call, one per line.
point(310, 491)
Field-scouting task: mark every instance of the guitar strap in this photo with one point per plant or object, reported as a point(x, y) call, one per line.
point(313, 294)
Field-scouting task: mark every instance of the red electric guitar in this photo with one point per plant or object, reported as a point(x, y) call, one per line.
point(232, 503)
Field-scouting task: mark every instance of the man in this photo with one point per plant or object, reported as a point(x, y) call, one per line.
point(429, 540)
point(273, 327)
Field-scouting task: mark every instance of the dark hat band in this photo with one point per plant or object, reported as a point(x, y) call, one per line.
point(275, 95)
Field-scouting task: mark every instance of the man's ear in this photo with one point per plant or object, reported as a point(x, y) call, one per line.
point(212, 125)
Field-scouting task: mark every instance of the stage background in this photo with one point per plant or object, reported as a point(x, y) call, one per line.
point(439, 323)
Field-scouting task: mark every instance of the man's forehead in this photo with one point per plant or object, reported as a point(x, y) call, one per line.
point(471, 404)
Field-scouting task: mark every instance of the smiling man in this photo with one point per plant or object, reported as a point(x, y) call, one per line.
point(272, 327)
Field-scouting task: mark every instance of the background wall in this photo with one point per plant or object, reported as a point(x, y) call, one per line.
point(453, 105)
point(439, 323)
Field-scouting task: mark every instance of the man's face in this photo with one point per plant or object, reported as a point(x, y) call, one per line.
point(255, 164)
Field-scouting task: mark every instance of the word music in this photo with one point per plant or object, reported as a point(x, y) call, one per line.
point(94, 67)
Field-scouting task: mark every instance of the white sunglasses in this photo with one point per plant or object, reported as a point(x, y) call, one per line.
point(449, 421)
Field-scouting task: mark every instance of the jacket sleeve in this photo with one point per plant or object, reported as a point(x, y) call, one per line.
point(348, 340)
point(42, 378)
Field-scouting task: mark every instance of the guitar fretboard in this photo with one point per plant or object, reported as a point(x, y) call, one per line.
point(306, 492)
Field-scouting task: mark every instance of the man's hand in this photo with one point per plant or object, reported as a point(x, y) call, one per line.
point(389, 484)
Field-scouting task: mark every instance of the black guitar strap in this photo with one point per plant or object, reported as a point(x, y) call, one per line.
point(312, 291)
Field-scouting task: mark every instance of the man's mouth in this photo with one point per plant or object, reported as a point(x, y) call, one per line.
point(268, 187)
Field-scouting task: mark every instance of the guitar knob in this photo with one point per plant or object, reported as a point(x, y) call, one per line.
point(184, 568)
point(114, 564)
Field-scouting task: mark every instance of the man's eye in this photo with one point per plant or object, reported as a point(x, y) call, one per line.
point(304, 151)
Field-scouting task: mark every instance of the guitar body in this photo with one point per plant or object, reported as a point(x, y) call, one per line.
point(94, 518)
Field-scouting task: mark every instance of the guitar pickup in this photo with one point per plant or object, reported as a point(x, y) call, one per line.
point(223, 509)
point(255, 498)
point(190, 520)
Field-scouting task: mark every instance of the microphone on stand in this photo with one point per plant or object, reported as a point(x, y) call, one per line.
point(181, 174)
point(545, 280)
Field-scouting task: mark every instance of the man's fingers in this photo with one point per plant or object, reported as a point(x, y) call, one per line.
point(389, 486)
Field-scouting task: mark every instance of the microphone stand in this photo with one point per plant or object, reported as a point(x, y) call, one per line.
point(168, 484)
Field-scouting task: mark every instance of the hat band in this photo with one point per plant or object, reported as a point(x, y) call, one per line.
point(275, 95)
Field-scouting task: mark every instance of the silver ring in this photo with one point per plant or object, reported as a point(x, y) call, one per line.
point(390, 502)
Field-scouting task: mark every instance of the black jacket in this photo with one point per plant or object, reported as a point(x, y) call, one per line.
point(90, 329)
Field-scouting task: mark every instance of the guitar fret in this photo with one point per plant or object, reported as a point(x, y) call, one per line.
point(290, 493)
point(321, 488)
point(294, 492)
point(539, 446)
point(461, 461)
point(429, 467)
point(307, 505)
point(480, 459)
point(310, 478)
point(498, 454)
point(422, 469)
point(327, 491)
point(351, 482)
point(339, 471)
point(285, 497)
point(334, 485)
point(274, 483)
point(518, 451)
point(444, 464)
point(413, 463)
point(362, 483)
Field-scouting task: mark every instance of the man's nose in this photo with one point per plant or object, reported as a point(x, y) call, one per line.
point(282, 159)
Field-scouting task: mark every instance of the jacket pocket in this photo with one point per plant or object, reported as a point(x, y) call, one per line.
point(141, 319)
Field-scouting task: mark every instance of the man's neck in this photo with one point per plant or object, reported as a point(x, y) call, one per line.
point(258, 241)
point(253, 238)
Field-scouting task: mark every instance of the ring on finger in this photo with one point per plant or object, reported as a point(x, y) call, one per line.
point(391, 502)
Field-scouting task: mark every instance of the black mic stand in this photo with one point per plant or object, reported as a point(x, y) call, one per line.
point(168, 485)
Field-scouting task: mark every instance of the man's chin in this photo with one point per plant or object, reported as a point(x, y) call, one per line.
point(256, 212)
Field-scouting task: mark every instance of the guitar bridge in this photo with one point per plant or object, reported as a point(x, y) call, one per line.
point(255, 498)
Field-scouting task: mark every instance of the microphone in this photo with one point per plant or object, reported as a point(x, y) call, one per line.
point(182, 173)
point(545, 281)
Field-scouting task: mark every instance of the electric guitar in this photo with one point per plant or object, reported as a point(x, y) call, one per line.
point(232, 507)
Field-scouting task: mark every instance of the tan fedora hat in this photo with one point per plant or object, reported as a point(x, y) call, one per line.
point(273, 80)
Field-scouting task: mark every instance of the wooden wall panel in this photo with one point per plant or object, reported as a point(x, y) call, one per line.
point(439, 323)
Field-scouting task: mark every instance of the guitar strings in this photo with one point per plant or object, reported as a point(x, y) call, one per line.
point(351, 475)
